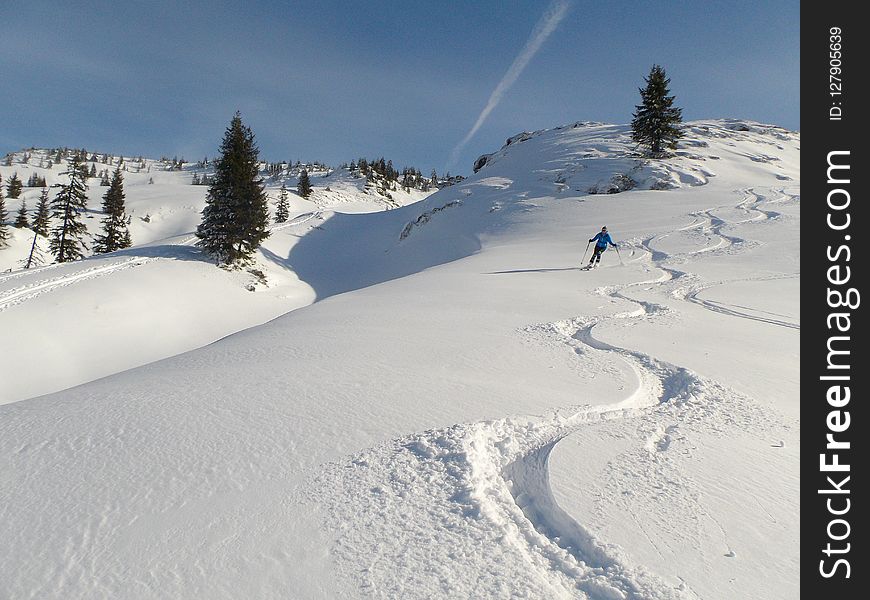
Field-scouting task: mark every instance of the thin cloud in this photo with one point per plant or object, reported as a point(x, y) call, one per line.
point(545, 26)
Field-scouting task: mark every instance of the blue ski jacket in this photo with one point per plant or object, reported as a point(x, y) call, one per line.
point(602, 239)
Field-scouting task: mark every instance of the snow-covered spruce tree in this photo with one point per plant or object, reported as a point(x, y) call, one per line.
point(13, 188)
point(282, 209)
point(41, 219)
point(21, 221)
point(67, 237)
point(655, 123)
point(236, 214)
point(116, 236)
point(303, 187)
point(4, 230)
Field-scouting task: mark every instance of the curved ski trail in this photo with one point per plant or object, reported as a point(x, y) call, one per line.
point(710, 224)
point(477, 496)
point(486, 486)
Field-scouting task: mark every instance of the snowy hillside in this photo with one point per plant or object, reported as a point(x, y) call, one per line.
point(453, 410)
point(161, 201)
point(163, 298)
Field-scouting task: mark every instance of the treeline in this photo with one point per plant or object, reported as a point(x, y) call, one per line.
point(49, 157)
point(272, 170)
point(382, 171)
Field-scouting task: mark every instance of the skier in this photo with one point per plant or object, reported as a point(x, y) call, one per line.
point(601, 240)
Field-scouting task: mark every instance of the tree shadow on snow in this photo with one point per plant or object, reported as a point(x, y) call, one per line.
point(284, 263)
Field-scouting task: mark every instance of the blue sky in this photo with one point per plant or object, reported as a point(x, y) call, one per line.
point(333, 81)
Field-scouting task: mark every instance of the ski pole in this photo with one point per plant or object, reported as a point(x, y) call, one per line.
point(619, 255)
point(585, 251)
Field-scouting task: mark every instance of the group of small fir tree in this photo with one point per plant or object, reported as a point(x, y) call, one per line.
point(67, 236)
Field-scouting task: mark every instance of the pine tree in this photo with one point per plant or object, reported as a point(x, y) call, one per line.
point(236, 214)
point(67, 237)
point(41, 220)
point(116, 236)
point(655, 122)
point(282, 209)
point(21, 221)
point(4, 230)
point(303, 187)
point(13, 188)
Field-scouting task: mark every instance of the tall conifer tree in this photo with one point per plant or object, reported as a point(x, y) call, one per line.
point(21, 221)
point(303, 187)
point(13, 188)
point(41, 220)
point(67, 238)
point(656, 120)
point(282, 209)
point(116, 236)
point(236, 214)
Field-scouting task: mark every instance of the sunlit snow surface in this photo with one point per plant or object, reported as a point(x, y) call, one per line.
point(451, 410)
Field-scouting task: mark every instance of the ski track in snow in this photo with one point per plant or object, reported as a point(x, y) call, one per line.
point(298, 220)
point(732, 310)
point(486, 485)
point(17, 295)
point(711, 226)
point(28, 292)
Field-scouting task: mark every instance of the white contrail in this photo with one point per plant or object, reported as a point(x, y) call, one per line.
point(545, 26)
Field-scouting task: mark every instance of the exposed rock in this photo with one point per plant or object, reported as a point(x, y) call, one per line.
point(520, 137)
point(481, 162)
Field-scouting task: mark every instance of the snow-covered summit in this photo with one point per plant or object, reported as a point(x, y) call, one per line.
point(608, 161)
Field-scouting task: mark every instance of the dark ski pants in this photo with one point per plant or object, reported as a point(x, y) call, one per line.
point(596, 254)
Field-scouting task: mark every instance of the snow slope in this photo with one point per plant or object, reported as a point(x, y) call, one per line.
point(461, 412)
point(164, 297)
